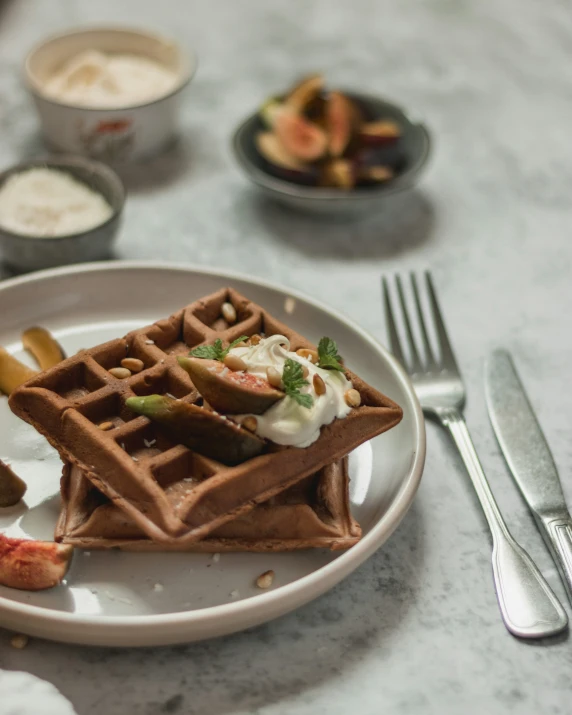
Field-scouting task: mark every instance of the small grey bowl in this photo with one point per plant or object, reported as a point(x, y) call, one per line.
point(414, 144)
point(30, 253)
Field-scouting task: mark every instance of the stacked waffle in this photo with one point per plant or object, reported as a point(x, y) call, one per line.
point(135, 485)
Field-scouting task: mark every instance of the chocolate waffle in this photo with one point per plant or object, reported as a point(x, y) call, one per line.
point(313, 513)
point(136, 461)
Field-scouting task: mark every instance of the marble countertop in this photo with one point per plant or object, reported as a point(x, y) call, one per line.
point(416, 630)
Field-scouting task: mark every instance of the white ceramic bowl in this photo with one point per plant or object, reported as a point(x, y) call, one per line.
point(112, 135)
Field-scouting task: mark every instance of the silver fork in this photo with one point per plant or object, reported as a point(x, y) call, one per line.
point(528, 606)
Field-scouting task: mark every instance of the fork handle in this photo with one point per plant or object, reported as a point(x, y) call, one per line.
point(528, 606)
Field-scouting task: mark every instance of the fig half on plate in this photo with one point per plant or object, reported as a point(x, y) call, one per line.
point(32, 565)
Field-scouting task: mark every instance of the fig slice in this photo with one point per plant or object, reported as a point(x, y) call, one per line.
point(199, 429)
point(303, 93)
point(12, 488)
point(339, 173)
point(228, 391)
point(32, 565)
point(13, 373)
point(379, 132)
point(301, 138)
point(341, 118)
point(43, 347)
point(272, 150)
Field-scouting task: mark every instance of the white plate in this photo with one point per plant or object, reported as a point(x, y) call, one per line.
point(121, 599)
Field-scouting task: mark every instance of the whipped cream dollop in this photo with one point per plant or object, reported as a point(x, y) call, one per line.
point(288, 422)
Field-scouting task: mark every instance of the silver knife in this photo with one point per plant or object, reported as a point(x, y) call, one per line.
point(529, 459)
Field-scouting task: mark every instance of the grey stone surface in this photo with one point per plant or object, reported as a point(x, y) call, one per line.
point(416, 630)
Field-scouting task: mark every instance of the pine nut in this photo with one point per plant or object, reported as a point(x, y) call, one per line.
point(289, 305)
point(120, 372)
point(319, 385)
point(105, 426)
point(305, 371)
point(274, 377)
point(19, 641)
point(207, 407)
point(254, 339)
point(228, 313)
point(133, 364)
point(241, 344)
point(353, 398)
point(233, 362)
point(310, 355)
point(265, 580)
point(250, 423)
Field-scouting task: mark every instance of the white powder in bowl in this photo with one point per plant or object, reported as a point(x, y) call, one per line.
point(95, 79)
point(46, 202)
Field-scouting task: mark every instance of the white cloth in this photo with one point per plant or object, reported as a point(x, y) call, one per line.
point(24, 694)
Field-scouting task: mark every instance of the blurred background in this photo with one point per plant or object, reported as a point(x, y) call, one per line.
point(474, 72)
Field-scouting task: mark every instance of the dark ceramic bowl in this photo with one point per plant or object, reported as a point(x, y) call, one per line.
point(410, 155)
point(29, 253)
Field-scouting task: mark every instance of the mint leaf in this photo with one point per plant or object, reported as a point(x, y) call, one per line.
point(215, 351)
point(328, 357)
point(293, 375)
point(293, 379)
point(208, 352)
point(304, 400)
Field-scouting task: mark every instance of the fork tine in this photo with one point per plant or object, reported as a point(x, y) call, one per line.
point(447, 354)
point(394, 342)
point(415, 360)
point(431, 361)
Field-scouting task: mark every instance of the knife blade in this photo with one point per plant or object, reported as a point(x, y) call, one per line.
point(530, 461)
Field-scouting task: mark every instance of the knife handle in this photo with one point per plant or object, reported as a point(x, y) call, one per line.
point(560, 534)
point(528, 606)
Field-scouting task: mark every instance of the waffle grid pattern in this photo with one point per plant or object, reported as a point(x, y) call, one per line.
point(171, 493)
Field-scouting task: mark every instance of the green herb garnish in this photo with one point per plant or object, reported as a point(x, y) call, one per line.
point(328, 357)
point(293, 379)
point(215, 351)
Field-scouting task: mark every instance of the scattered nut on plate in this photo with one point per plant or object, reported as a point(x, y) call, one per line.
point(19, 641)
point(266, 579)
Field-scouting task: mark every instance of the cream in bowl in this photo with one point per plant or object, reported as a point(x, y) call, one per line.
point(47, 202)
point(109, 93)
point(57, 211)
point(109, 81)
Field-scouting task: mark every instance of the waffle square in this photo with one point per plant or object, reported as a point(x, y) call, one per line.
point(313, 513)
point(136, 462)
